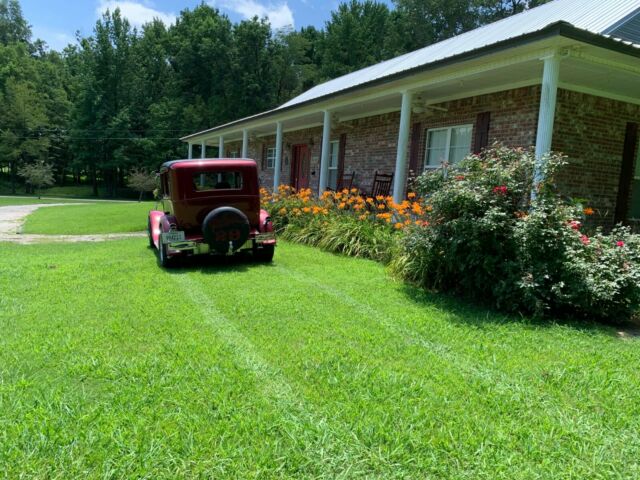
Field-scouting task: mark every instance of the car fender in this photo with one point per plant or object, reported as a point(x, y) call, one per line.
point(266, 225)
point(160, 222)
point(154, 222)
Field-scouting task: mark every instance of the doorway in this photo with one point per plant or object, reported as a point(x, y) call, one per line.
point(300, 166)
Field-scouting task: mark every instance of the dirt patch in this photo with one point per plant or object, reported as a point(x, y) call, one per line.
point(12, 218)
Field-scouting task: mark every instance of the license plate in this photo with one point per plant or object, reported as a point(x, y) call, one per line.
point(173, 237)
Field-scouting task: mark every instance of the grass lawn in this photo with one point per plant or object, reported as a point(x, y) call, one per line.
point(89, 219)
point(317, 366)
point(4, 201)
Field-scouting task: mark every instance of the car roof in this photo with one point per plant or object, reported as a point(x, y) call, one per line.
point(198, 163)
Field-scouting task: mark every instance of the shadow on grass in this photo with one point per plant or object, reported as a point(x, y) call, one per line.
point(464, 311)
point(213, 264)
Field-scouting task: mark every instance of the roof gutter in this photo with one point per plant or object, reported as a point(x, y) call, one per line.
point(562, 29)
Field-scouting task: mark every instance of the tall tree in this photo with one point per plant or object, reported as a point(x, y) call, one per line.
point(353, 37)
point(13, 26)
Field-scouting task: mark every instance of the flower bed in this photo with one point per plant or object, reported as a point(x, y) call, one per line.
point(344, 222)
point(473, 231)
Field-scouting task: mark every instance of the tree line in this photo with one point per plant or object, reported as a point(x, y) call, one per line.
point(120, 99)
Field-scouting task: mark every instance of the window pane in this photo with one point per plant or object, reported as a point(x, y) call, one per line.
point(333, 178)
point(460, 143)
point(271, 157)
point(333, 157)
point(217, 181)
point(436, 147)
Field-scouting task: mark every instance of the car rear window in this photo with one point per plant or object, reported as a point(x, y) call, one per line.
point(206, 181)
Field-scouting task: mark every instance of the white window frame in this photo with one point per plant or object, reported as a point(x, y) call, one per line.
point(334, 144)
point(449, 131)
point(634, 179)
point(271, 158)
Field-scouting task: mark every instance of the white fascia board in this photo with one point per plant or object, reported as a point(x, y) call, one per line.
point(598, 93)
point(413, 83)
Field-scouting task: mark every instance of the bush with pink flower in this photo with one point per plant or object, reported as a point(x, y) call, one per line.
point(487, 241)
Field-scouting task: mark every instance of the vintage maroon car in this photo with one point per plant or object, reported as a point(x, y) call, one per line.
point(210, 207)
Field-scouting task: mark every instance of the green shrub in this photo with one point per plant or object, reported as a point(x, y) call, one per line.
point(486, 241)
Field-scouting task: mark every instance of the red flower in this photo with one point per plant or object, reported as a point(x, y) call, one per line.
point(585, 240)
point(619, 243)
point(500, 190)
point(459, 177)
point(575, 224)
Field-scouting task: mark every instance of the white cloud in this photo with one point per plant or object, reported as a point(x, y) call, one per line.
point(55, 39)
point(137, 13)
point(279, 15)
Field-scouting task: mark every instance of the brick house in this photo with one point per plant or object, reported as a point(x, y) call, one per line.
point(564, 76)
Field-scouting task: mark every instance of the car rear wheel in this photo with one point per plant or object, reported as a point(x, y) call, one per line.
point(264, 254)
point(165, 260)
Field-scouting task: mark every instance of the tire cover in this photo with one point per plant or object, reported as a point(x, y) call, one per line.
point(224, 225)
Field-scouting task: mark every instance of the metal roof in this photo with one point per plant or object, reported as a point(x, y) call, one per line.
point(611, 22)
point(595, 16)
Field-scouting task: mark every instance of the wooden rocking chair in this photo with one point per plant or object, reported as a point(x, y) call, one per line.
point(346, 181)
point(381, 184)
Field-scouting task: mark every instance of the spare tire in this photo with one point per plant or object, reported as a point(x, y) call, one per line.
point(225, 229)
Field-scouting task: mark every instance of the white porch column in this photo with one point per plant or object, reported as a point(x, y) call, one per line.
point(326, 152)
point(546, 116)
point(221, 147)
point(278, 162)
point(190, 155)
point(400, 175)
point(203, 149)
point(245, 143)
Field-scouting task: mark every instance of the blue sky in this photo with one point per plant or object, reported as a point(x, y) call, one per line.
point(56, 21)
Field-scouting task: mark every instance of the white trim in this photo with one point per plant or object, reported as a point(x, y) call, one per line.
point(273, 158)
point(332, 144)
point(598, 93)
point(400, 173)
point(380, 91)
point(546, 117)
point(592, 59)
point(278, 163)
point(324, 156)
point(372, 113)
point(245, 143)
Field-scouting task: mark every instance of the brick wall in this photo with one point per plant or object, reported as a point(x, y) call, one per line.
point(590, 131)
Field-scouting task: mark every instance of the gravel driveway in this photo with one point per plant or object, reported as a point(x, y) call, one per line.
point(12, 218)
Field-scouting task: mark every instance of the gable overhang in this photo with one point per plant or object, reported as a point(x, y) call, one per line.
point(591, 63)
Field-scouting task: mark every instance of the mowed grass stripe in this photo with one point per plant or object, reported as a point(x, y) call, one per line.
point(111, 374)
point(390, 393)
point(561, 400)
point(328, 449)
point(108, 369)
point(516, 390)
point(488, 336)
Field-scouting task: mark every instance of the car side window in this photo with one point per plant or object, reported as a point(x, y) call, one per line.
point(165, 184)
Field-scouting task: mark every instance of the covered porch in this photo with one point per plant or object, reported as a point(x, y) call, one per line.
point(422, 117)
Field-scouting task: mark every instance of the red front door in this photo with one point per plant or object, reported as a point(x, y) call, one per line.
point(300, 166)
